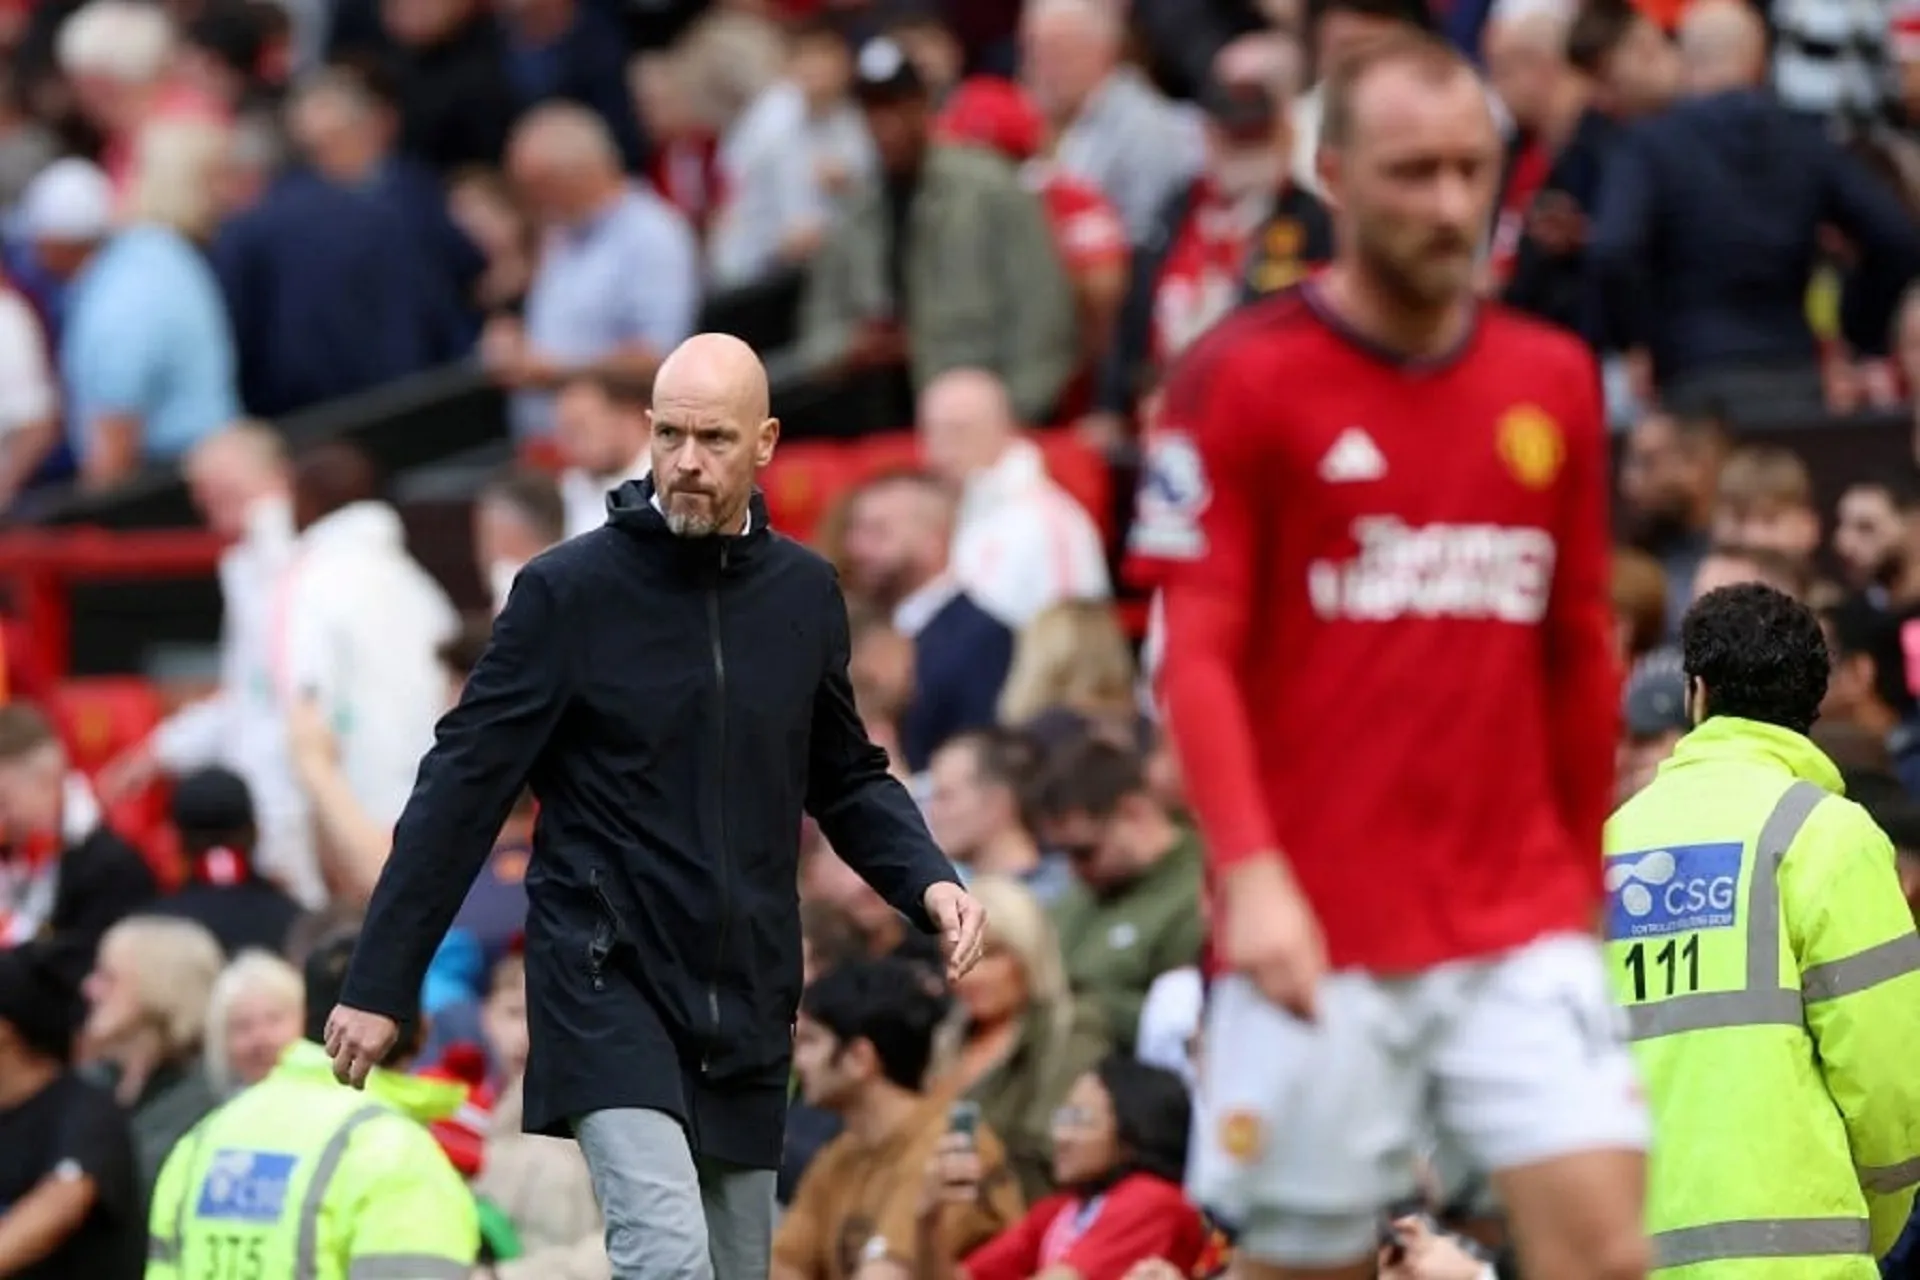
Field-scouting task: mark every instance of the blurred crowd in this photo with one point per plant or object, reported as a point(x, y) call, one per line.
point(995, 217)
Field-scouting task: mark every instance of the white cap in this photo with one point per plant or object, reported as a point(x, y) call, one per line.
point(70, 201)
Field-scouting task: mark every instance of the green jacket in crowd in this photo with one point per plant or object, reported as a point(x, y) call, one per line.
point(1117, 943)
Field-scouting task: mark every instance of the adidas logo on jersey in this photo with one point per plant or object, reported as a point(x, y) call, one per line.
point(1353, 459)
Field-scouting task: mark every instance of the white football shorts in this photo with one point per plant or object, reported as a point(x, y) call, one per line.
point(1304, 1133)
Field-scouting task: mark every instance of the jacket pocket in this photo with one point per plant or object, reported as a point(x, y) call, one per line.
point(604, 934)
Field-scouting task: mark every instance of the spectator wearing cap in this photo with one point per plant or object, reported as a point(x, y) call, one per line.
point(213, 812)
point(70, 1204)
point(1554, 163)
point(1728, 332)
point(1111, 126)
point(618, 280)
point(1653, 718)
point(1088, 233)
point(886, 297)
point(1243, 228)
point(1871, 686)
point(790, 161)
point(65, 878)
point(146, 351)
point(332, 283)
point(119, 57)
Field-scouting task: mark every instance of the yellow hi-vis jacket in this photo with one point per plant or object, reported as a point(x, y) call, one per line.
point(1758, 939)
point(301, 1178)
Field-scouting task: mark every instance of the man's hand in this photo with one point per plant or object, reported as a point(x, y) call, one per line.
point(1267, 931)
point(963, 926)
point(358, 1041)
point(953, 1175)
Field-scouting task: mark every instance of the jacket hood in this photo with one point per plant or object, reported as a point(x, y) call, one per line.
point(1731, 739)
point(361, 525)
point(422, 1100)
point(631, 507)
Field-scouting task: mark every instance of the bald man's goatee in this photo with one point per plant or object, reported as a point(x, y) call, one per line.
point(692, 526)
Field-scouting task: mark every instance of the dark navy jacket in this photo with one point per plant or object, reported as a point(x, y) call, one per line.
point(1708, 230)
point(330, 294)
point(675, 704)
point(960, 660)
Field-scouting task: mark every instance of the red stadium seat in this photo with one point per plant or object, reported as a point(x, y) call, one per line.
point(801, 484)
point(98, 719)
point(893, 451)
point(1077, 467)
point(541, 453)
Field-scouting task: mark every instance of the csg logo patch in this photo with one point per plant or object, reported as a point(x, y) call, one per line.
point(1174, 493)
point(1674, 890)
point(1531, 444)
point(246, 1186)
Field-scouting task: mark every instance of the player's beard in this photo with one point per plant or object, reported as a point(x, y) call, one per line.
point(1432, 273)
point(703, 521)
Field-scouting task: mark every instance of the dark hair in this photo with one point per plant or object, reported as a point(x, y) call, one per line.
point(1152, 1114)
point(1860, 630)
point(835, 936)
point(1900, 819)
point(325, 971)
point(1759, 652)
point(533, 495)
point(331, 475)
point(888, 1003)
point(1432, 58)
point(37, 1001)
point(1090, 776)
point(460, 652)
point(24, 729)
point(1599, 29)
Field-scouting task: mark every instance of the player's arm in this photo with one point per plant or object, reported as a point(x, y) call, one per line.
point(862, 809)
point(482, 753)
point(1583, 680)
point(411, 1213)
point(1859, 960)
point(1208, 450)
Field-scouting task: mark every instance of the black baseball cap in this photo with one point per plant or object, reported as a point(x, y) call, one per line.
point(35, 1002)
point(213, 801)
point(1244, 110)
point(882, 73)
point(1655, 699)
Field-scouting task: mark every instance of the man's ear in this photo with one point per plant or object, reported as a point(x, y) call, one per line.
point(1326, 163)
point(1696, 699)
point(763, 445)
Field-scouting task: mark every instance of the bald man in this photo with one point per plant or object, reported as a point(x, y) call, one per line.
point(618, 285)
point(673, 686)
point(1021, 543)
point(1727, 332)
point(239, 480)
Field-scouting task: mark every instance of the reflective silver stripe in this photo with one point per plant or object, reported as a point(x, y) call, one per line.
point(162, 1252)
point(1714, 1009)
point(1763, 1238)
point(1865, 969)
point(1890, 1177)
point(306, 1258)
point(407, 1266)
point(1764, 1001)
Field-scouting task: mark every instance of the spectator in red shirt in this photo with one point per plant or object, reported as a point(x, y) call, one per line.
point(1119, 1151)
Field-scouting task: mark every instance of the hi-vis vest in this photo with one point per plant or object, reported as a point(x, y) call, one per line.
point(300, 1178)
point(1770, 973)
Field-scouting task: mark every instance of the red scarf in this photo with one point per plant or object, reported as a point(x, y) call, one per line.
point(1201, 278)
point(1525, 177)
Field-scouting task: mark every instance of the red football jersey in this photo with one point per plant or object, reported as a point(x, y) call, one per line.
point(1387, 614)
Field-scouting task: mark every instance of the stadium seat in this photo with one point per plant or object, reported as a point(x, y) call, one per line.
point(801, 484)
point(99, 718)
point(893, 451)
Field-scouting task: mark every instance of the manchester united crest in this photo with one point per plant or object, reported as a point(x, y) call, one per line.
point(1531, 445)
point(1242, 1136)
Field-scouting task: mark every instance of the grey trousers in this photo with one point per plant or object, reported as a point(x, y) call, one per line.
point(671, 1215)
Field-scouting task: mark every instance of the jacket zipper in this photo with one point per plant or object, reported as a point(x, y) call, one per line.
point(726, 877)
